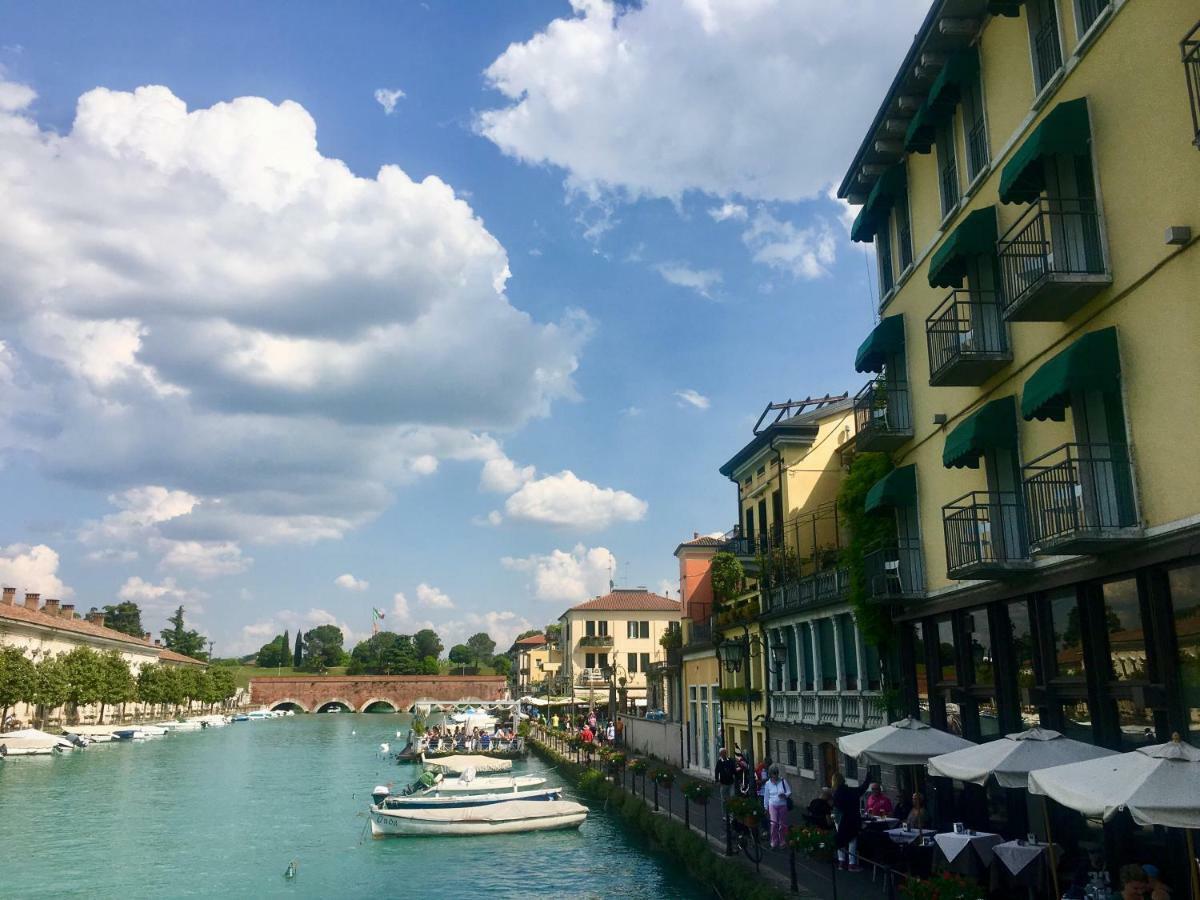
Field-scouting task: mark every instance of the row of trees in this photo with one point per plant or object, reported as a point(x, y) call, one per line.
point(83, 677)
point(315, 651)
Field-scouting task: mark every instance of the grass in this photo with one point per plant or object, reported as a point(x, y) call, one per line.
point(243, 674)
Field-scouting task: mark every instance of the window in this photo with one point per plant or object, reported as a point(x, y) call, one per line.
point(846, 633)
point(883, 258)
point(791, 753)
point(762, 470)
point(1087, 12)
point(974, 124)
point(644, 662)
point(806, 639)
point(602, 628)
point(631, 661)
point(644, 629)
point(1185, 613)
point(982, 661)
point(828, 654)
point(750, 523)
point(850, 765)
point(922, 671)
point(1044, 42)
point(903, 230)
point(589, 628)
point(1126, 633)
point(807, 757)
point(947, 167)
point(945, 652)
point(1021, 642)
point(589, 660)
point(1068, 634)
point(871, 666)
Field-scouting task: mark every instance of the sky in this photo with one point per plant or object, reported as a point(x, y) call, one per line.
point(449, 309)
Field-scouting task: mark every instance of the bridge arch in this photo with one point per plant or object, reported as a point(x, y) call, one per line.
point(288, 703)
point(324, 705)
point(379, 702)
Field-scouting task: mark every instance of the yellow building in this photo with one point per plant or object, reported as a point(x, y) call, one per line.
point(536, 663)
point(1031, 183)
point(699, 707)
point(613, 641)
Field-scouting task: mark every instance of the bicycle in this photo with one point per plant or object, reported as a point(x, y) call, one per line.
point(747, 841)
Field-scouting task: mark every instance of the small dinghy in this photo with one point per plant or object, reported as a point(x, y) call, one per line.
point(507, 817)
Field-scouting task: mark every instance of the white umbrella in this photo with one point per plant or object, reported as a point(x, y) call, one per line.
point(1011, 758)
point(908, 742)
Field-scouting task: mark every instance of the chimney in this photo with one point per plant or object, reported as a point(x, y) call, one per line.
point(50, 607)
point(96, 618)
point(146, 636)
point(695, 535)
point(68, 610)
point(157, 642)
point(31, 600)
point(10, 596)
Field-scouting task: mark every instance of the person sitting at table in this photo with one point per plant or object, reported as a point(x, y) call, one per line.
point(878, 803)
point(820, 809)
point(917, 816)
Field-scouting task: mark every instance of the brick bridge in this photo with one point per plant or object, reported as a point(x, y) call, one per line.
point(356, 693)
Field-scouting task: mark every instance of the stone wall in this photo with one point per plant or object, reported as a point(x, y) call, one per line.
point(663, 740)
point(357, 692)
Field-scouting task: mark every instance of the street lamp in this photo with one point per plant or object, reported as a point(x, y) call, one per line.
point(610, 675)
point(734, 651)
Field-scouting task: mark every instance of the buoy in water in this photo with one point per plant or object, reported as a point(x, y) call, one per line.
point(292, 869)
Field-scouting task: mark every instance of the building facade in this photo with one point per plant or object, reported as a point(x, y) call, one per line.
point(535, 663)
point(699, 705)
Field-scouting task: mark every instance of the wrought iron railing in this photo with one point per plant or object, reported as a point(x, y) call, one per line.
point(1047, 52)
point(1079, 491)
point(739, 544)
point(596, 640)
point(894, 569)
point(699, 633)
point(1190, 49)
point(984, 528)
point(881, 408)
point(977, 148)
point(966, 324)
point(1089, 12)
point(948, 179)
point(1052, 237)
point(810, 590)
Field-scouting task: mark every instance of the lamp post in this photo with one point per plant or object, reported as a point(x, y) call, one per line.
point(734, 651)
point(612, 674)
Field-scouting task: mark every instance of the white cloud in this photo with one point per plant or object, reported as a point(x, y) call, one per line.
point(504, 476)
point(15, 97)
point(632, 411)
point(254, 635)
point(387, 97)
point(348, 582)
point(727, 211)
point(565, 499)
point(32, 568)
point(201, 299)
point(689, 397)
point(666, 587)
point(495, 517)
point(429, 596)
point(205, 559)
point(730, 97)
point(162, 597)
point(502, 626)
point(802, 252)
point(702, 281)
point(567, 576)
point(140, 509)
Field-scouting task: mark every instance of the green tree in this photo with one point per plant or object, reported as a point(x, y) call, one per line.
point(18, 680)
point(554, 633)
point(174, 686)
point(298, 653)
point(273, 654)
point(84, 686)
point(151, 685)
point(385, 653)
point(460, 655)
point(429, 666)
point(323, 648)
point(502, 665)
point(482, 648)
point(427, 643)
point(116, 681)
point(182, 640)
point(727, 577)
point(52, 686)
point(125, 617)
point(224, 684)
point(867, 529)
point(528, 633)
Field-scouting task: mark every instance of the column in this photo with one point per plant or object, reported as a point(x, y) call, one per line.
point(863, 680)
point(840, 662)
point(816, 653)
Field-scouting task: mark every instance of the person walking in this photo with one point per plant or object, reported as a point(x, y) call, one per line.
point(724, 774)
point(849, 821)
point(620, 731)
point(610, 733)
point(777, 800)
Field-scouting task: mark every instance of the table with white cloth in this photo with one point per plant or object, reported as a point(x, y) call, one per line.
point(966, 853)
point(907, 836)
point(1023, 863)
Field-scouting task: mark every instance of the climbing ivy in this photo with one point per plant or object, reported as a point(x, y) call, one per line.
point(865, 530)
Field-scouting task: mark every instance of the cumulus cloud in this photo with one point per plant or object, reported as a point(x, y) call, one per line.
point(14, 97)
point(139, 509)
point(387, 97)
point(502, 475)
point(722, 96)
point(206, 559)
point(565, 499)
point(32, 568)
point(702, 281)
point(201, 299)
point(502, 626)
point(429, 596)
point(162, 597)
point(728, 211)
point(567, 576)
point(348, 582)
point(694, 399)
point(804, 253)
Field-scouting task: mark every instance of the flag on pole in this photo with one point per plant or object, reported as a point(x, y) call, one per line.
point(376, 615)
point(378, 612)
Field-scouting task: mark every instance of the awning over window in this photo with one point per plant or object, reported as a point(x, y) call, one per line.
point(992, 426)
point(1010, 8)
point(890, 185)
point(976, 236)
point(1066, 131)
point(1092, 363)
point(886, 339)
point(897, 488)
point(960, 70)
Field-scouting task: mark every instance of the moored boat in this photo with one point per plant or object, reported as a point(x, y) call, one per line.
point(507, 817)
point(489, 784)
point(431, 799)
point(458, 764)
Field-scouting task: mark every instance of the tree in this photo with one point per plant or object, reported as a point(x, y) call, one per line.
point(502, 665)
point(274, 654)
point(429, 666)
point(83, 674)
point(529, 633)
point(152, 685)
point(727, 577)
point(298, 654)
point(427, 643)
point(18, 680)
point(116, 681)
point(174, 686)
point(224, 684)
point(554, 633)
point(51, 690)
point(460, 655)
point(285, 649)
point(124, 617)
point(323, 648)
point(482, 647)
point(181, 640)
point(385, 653)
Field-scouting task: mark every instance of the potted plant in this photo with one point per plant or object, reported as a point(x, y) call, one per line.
point(664, 777)
point(639, 767)
point(697, 791)
point(816, 842)
point(744, 809)
point(615, 761)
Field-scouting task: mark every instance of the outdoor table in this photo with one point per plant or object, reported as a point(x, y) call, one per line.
point(1023, 864)
point(963, 852)
point(880, 822)
point(903, 836)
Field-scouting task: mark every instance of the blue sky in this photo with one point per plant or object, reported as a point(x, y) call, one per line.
point(236, 371)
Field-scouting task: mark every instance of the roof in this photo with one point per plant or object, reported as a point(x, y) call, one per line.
point(802, 427)
point(702, 541)
point(633, 599)
point(171, 656)
point(79, 626)
point(532, 640)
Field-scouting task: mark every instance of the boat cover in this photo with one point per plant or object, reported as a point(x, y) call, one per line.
point(456, 765)
point(495, 812)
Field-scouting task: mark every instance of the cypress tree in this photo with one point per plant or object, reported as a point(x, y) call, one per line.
point(298, 656)
point(285, 648)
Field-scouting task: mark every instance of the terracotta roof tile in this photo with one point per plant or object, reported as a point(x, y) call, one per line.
point(80, 626)
point(634, 599)
point(533, 640)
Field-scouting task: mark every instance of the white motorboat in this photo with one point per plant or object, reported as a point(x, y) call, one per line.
point(132, 733)
point(179, 726)
point(489, 784)
point(33, 736)
point(506, 817)
point(431, 799)
point(457, 765)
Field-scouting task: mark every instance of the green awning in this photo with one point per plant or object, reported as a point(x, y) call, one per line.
point(992, 426)
point(1010, 8)
point(976, 236)
point(1092, 363)
point(960, 69)
point(890, 185)
point(886, 339)
point(1066, 131)
point(897, 488)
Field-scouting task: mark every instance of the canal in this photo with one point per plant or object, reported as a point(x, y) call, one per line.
point(221, 813)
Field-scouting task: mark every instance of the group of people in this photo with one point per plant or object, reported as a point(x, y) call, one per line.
point(463, 738)
point(736, 778)
point(592, 730)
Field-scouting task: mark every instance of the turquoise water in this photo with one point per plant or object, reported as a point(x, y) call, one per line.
point(221, 813)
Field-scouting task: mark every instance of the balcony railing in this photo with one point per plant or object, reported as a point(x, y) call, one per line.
point(1047, 53)
point(593, 678)
point(596, 640)
point(1079, 499)
point(699, 633)
point(1052, 261)
point(816, 589)
point(894, 571)
point(740, 545)
point(882, 418)
point(977, 148)
point(985, 535)
point(842, 709)
point(948, 179)
point(1190, 49)
point(967, 339)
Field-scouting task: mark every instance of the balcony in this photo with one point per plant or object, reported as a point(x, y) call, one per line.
point(1079, 499)
point(985, 536)
point(1190, 50)
point(894, 571)
point(813, 590)
point(967, 339)
point(882, 419)
point(744, 547)
point(1052, 261)
point(698, 634)
point(855, 710)
point(596, 640)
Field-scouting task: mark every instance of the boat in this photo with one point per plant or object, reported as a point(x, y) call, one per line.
point(130, 734)
point(459, 764)
point(430, 799)
point(505, 817)
point(179, 726)
point(36, 736)
point(489, 784)
point(241, 718)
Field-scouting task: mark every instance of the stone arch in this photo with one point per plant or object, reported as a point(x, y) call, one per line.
point(335, 701)
point(289, 701)
point(367, 706)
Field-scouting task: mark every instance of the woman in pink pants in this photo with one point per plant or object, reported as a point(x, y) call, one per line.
point(775, 794)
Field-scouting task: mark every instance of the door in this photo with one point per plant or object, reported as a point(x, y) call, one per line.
point(764, 535)
point(777, 513)
point(1104, 492)
point(1003, 533)
point(1074, 226)
point(830, 762)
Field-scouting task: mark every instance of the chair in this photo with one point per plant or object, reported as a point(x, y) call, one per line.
point(891, 575)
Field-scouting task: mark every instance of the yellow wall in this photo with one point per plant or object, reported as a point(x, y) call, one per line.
point(1148, 177)
point(659, 620)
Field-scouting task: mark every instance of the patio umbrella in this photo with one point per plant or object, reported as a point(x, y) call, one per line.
point(1011, 758)
point(1159, 785)
point(908, 742)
